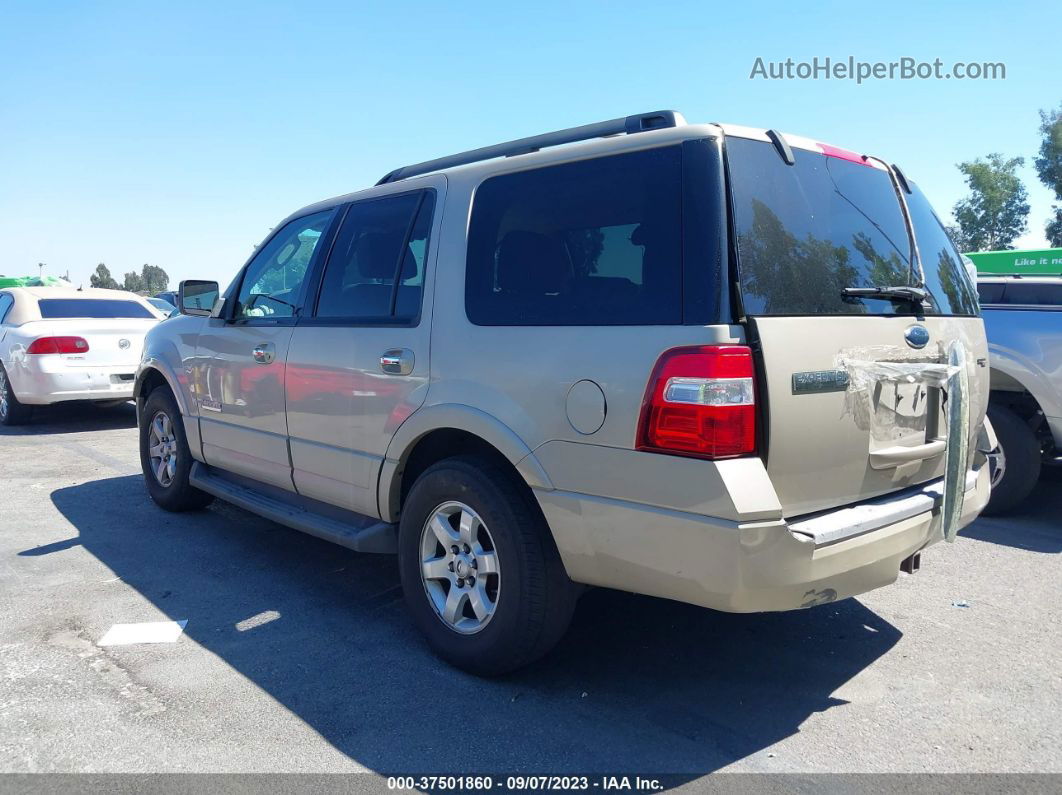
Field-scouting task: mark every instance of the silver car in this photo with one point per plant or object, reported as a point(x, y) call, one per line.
point(731, 367)
point(1023, 320)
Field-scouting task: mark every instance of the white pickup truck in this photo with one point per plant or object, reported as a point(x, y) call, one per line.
point(1023, 321)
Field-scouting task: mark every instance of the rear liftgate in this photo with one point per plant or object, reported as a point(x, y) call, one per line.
point(952, 377)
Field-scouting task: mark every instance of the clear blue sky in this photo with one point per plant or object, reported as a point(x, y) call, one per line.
point(178, 134)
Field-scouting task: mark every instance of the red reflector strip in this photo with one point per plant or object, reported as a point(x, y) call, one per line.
point(844, 154)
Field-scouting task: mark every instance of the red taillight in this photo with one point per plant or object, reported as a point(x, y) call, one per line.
point(700, 402)
point(58, 345)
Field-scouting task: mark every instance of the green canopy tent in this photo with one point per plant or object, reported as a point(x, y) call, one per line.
point(33, 281)
point(1041, 262)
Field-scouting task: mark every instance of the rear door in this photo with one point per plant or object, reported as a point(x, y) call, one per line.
point(838, 431)
point(240, 357)
point(358, 362)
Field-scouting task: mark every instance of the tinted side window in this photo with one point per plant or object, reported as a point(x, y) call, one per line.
point(376, 270)
point(6, 302)
point(990, 292)
point(1033, 293)
point(598, 242)
point(272, 284)
point(946, 277)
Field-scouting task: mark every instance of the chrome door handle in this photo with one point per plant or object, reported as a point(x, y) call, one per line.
point(264, 352)
point(397, 361)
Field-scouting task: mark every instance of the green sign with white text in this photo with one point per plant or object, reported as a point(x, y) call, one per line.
point(1045, 262)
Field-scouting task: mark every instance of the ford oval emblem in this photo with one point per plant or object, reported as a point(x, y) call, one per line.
point(917, 336)
point(124, 344)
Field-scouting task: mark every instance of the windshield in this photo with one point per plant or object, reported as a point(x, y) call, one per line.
point(806, 232)
point(59, 308)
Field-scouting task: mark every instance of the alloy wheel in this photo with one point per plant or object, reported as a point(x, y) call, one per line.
point(459, 567)
point(4, 406)
point(162, 448)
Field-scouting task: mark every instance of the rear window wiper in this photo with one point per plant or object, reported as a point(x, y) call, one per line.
point(916, 294)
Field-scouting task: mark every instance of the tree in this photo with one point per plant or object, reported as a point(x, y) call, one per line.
point(958, 239)
point(1054, 229)
point(997, 209)
point(133, 282)
point(1049, 167)
point(154, 279)
point(101, 277)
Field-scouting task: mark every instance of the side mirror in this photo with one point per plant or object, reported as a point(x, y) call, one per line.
point(195, 297)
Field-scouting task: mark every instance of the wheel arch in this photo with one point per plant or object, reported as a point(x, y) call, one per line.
point(151, 375)
point(443, 431)
point(1012, 373)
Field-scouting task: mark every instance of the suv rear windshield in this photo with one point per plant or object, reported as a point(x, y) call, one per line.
point(807, 231)
point(58, 308)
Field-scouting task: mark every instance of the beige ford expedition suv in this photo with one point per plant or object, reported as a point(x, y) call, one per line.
point(727, 366)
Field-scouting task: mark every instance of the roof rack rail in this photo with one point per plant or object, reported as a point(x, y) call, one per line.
point(640, 122)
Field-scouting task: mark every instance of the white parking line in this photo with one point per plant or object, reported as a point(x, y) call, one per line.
point(144, 632)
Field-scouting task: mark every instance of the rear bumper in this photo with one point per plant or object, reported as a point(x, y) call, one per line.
point(40, 383)
point(739, 567)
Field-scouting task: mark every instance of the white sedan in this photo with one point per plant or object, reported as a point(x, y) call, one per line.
point(58, 343)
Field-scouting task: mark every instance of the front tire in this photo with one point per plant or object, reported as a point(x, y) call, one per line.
point(480, 573)
point(1023, 459)
point(11, 411)
point(165, 456)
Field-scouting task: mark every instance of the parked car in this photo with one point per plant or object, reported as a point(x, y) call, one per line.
point(59, 344)
point(1023, 320)
point(169, 296)
point(163, 306)
point(551, 362)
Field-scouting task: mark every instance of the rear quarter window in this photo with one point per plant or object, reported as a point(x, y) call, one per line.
point(990, 292)
point(59, 308)
point(1033, 294)
point(597, 242)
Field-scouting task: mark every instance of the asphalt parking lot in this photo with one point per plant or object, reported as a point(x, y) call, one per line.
point(298, 655)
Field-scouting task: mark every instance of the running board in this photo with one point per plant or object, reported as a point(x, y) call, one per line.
point(372, 536)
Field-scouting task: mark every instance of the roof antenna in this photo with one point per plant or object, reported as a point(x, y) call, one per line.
point(782, 145)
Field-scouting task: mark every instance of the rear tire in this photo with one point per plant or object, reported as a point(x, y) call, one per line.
point(1023, 458)
point(517, 600)
point(11, 411)
point(165, 456)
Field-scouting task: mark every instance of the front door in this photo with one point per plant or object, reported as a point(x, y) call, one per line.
point(358, 361)
point(240, 357)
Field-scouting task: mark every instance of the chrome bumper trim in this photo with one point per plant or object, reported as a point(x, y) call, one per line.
point(834, 526)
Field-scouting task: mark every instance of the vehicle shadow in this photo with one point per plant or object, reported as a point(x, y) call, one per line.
point(638, 684)
point(1034, 525)
point(72, 417)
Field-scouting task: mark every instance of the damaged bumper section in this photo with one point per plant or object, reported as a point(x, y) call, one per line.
point(754, 566)
point(855, 549)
